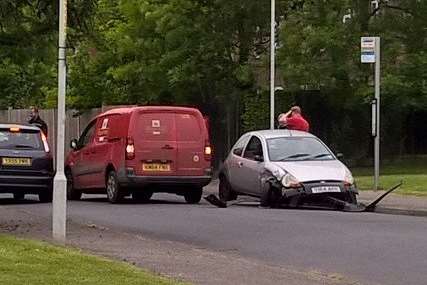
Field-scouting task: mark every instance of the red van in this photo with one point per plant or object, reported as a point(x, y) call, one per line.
point(139, 151)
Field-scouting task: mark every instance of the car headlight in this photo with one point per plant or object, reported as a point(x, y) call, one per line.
point(348, 177)
point(290, 181)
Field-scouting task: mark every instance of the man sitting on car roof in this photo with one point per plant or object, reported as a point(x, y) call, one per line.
point(293, 120)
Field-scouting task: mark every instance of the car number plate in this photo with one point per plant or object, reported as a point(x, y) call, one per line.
point(16, 161)
point(325, 189)
point(163, 167)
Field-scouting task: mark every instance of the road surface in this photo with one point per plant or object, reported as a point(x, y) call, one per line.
point(368, 247)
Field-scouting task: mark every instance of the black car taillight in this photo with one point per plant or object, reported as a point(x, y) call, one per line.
point(130, 149)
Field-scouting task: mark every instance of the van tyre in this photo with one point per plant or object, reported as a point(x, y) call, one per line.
point(46, 197)
point(114, 194)
point(72, 193)
point(18, 196)
point(193, 196)
point(225, 192)
point(142, 196)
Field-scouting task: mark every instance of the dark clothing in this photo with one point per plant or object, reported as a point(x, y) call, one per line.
point(38, 122)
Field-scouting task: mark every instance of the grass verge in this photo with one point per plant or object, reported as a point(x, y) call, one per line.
point(32, 262)
point(413, 173)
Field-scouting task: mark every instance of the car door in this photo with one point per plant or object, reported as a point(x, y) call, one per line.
point(82, 166)
point(251, 166)
point(234, 162)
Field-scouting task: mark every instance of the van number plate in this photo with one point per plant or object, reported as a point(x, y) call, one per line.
point(16, 161)
point(325, 189)
point(156, 167)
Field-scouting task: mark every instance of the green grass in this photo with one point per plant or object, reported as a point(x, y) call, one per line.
point(31, 262)
point(413, 173)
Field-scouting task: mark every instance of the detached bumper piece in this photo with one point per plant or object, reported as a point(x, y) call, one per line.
point(318, 202)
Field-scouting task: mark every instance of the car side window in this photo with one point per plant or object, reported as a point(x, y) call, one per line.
point(87, 135)
point(240, 145)
point(253, 148)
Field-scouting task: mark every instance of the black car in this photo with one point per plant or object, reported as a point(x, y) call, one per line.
point(26, 164)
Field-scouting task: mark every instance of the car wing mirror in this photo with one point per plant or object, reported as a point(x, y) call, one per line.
point(238, 151)
point(259, 158)
point(74, 144)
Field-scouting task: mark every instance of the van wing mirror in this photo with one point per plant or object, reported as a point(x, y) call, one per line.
point(74, 144)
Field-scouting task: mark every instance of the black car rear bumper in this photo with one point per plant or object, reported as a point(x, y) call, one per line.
point(27, 184)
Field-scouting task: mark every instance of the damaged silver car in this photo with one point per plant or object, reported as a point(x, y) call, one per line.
point(286, 168)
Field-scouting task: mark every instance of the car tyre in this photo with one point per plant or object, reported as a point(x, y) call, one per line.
point(143, 196)
point(114, 194)
point(225, 192)
point(18, 196)
point(193, 196)
point(46, 197)
point(72, 193)
point(269, 196)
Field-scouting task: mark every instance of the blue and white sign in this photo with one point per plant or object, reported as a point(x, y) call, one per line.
point(367, 49)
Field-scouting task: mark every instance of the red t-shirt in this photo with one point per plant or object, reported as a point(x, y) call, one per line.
point(297, 122)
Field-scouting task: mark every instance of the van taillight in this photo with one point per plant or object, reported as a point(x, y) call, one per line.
point(208, 152)
point(130, 149)
point(45, 143)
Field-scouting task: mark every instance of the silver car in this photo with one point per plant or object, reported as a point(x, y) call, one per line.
point(285, 167)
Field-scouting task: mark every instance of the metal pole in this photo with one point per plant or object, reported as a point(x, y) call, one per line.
point(272, 61)
point(60, 181)
point(378, 129)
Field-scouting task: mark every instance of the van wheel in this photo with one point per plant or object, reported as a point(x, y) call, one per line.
point(18, 196)
point(193, 196)
point(46, 197)
point(113, 189)
point(142, 195)
point(72, 193)
point(225, 192)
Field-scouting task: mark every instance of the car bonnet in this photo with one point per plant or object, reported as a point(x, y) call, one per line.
point(320, 170)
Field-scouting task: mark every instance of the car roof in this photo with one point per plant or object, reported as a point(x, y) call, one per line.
point(21, 126)
point(269, 134)
point(128, 110)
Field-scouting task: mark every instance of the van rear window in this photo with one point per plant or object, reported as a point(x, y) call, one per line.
point(187, 128)
point(22, 139)
point(156, 126)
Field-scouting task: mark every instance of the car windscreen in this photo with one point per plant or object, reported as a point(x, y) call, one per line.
point(297, 148)
point(20, 139)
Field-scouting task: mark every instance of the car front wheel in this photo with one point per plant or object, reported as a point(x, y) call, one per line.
point(114, 194)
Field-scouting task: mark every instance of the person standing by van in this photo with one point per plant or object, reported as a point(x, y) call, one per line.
point(35, 119)
point(293, 120)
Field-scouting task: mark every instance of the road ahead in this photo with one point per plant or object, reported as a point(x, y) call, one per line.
point(368, 247)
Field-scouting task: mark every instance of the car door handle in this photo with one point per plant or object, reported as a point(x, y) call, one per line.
point(167, 147)
point(240, 164)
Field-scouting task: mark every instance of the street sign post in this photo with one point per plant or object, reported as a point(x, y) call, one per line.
point(59, 203)
point(371, 53)
point(272, 61)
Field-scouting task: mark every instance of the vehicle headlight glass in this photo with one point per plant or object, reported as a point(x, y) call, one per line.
point(348, 177)
point(290, 181)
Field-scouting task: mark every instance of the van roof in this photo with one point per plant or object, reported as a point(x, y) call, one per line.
point(128, 110)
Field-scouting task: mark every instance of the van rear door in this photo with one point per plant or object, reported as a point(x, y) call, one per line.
point(155, 143)
point(191, 138)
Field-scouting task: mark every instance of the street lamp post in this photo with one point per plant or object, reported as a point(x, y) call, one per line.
point(60, 182)
point(272, 61)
